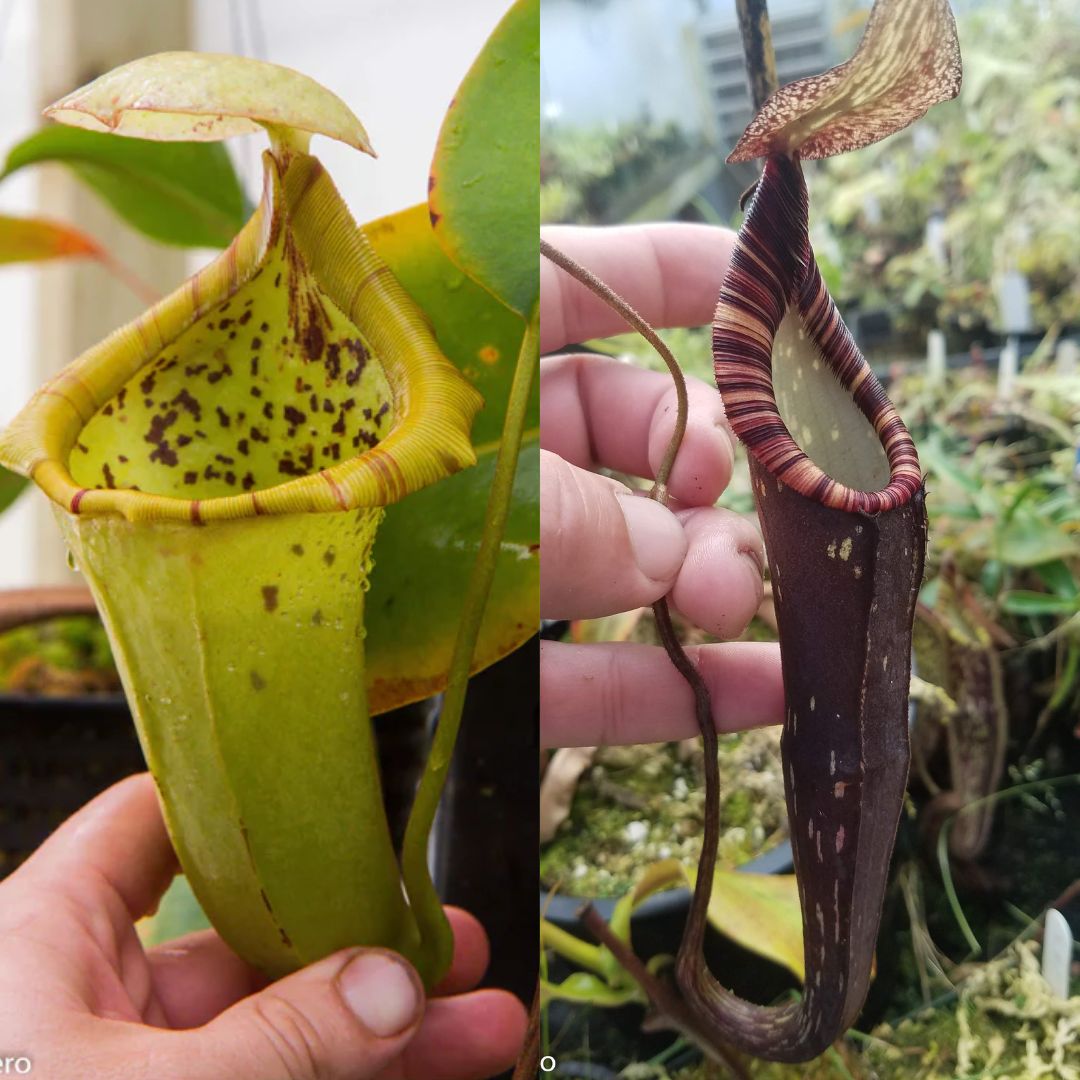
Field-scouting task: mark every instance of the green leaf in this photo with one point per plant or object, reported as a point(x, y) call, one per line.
point(178, 914)
point(584, 988)
point(1028, 540)
point(485, 176)
point(1024, 602)
point(1058, 578)
point(185, 194)
point(422, 561)
point(11, 487)
point(34, 239)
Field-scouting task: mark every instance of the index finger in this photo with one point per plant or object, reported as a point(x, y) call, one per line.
point(670, 273)
point(117, 842)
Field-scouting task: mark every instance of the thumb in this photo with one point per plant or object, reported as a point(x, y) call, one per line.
point(605, 549)
point(347, 1016)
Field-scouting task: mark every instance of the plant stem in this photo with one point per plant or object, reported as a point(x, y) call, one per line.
point(757, 49)
point(585, 956)
point(670, 1009)
point(436, 938)
point(528, 1064)
point(126, 276)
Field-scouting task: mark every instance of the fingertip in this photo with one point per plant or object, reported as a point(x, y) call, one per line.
point(473, 1035)
point(720, 585)
point(472, 954)
point(383, 992)
point(706, 455)
point(605, 548)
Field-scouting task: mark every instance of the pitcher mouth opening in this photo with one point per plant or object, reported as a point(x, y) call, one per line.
point(795, 387)
point(293, 374)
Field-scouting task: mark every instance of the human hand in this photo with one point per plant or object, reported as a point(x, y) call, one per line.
point(606, 550)
point(80, 997)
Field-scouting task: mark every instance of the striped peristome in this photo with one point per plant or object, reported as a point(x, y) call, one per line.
point(773, 270)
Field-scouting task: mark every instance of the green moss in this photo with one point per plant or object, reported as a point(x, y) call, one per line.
point(61, 656)
point(1005, 1022)
point(640, 804)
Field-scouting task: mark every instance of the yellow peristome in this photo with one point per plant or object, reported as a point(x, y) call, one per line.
point(205, 97)
point(433, 404)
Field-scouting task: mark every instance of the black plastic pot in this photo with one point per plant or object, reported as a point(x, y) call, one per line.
point(56, 753)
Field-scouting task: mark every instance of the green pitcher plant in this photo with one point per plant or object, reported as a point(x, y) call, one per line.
point(219, 468)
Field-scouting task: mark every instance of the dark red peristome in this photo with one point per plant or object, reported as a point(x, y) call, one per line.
point(772, 269)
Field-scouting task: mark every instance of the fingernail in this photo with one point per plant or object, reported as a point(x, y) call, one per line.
point(381, 992)
point(755, 558)
point(656, 537)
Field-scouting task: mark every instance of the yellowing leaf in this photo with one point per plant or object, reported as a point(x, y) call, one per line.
point(34, 239)
point(204, 97)
point(609, 628)
point(908, 59)
point(761, 913)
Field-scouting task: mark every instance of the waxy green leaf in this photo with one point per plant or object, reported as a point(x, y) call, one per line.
point(185, 194)
point(421, 560)
point(1024, 602)
point(484, 185)
point(11, 487)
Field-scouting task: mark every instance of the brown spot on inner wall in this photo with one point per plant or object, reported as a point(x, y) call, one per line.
point(257, 681)
point(270, 597)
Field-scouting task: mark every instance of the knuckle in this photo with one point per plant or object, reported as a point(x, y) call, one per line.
point(293, 1038)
